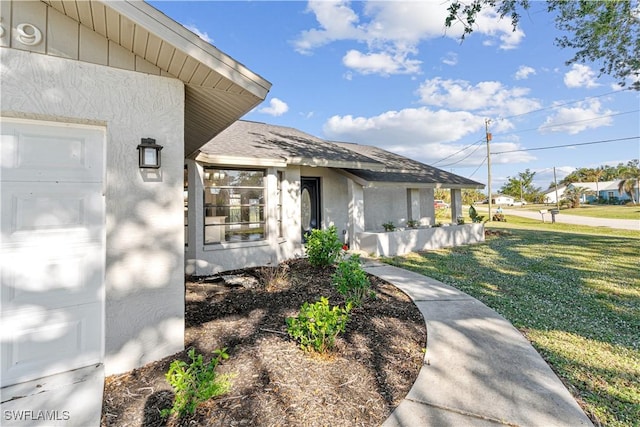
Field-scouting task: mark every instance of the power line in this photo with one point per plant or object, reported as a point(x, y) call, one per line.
point(562, 105)
point(569, 145)
point(464, 158)
point(459, 151)
point(479, 166)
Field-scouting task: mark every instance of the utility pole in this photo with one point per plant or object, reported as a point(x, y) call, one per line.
point(488, 135)
point(555, 181)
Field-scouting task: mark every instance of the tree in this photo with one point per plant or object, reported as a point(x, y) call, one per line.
point(573, 195)
point(520, 187)
point(605, 31)
point(630, 175)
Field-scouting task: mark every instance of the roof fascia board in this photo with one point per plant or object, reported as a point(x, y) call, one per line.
point(354, 178)
point(239, 161)
point(175, 34)
point(316, 162)
point(386, 184)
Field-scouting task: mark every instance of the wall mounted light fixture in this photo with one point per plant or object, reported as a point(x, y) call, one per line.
point(149, 154)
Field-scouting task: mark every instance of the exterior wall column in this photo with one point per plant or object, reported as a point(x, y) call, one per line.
point(413, 204)
point(456, 205)
point(195, 216)
point(355, 214)
point(427, 210)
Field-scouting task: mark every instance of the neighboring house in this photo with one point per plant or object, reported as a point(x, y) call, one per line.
point(502, 200)
point(256, 189)
point(91, 249)
point(603, 190)
point(551, 196)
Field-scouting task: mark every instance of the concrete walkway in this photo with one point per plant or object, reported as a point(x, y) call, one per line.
point(562, 217)
point(479, 370)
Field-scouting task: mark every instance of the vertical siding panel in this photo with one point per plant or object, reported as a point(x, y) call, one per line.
point(140, 39)
point(5, 23)
point(126, 33)
point(165, 56)
point(153, 49)
point(113, 25)
point(84, 12)
point(120, 57)
point(146, 67)
point(93, 47)
point(177, 62)
point(62, 35)
point(99, 18)
point(70, 9)
point(29, 12)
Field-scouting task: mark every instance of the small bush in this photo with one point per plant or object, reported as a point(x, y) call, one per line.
point(412, 223)
point(274, 277)
point(195, 382)
point(323, 246)
point(388, 226)
point(317, 325)
point(352, 281)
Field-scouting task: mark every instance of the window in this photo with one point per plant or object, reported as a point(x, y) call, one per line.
point(280, 177)
point(234, 209)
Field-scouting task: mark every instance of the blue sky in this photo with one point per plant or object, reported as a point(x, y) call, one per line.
point(390, 74)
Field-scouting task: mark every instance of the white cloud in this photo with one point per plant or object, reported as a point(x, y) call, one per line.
point(524, 72)
point(392, 32)
point(420, 133)
point(276, 108)
point(383, 63)
point(450, 59)
point(488, 97)
point(203, 35)
point(580, 76)
point(586, 115)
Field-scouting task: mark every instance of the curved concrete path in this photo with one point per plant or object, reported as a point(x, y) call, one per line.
point(479, 370)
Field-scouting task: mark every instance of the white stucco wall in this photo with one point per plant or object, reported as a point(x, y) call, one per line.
point(144, 280)
point(383, 205)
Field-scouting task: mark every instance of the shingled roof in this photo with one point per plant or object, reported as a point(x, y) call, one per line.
point(400, 169)
point(261, 143)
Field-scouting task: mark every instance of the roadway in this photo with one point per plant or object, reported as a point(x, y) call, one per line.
point(623, 224)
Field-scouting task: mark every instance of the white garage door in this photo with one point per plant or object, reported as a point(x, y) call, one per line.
point(51, 248)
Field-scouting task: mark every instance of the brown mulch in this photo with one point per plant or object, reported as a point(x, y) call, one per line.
point(274, 382)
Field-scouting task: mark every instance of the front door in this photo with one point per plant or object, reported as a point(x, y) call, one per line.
point(309, 205)
point(52, 262)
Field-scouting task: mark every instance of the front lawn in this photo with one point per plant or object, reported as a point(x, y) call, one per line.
point(595, 211)
point(576, 297)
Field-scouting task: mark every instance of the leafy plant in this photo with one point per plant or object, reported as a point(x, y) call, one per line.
point(473, 214)
point(317, 325)
point(195, 382)
point(388, 226)
point(323, 246)
point(352, 281)
point(412, 223)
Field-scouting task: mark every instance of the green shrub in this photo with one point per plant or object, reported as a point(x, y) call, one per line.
point(195, 382)
point(389, 226)
point(317, 325)
point(352, 281)
point(323, 246)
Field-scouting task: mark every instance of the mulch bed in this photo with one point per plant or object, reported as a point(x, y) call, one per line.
point(275, 383)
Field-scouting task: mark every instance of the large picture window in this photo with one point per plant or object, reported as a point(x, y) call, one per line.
point(234, 205)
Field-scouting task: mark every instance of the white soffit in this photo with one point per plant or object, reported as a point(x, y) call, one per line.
point(218, 89)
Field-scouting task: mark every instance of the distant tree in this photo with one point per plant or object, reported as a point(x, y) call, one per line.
point(630, 175)
point(604, 31)
point(520, 187)
point(470, 196)
point(574, 194)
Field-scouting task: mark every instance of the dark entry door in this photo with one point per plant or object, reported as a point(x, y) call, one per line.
point(309, 205)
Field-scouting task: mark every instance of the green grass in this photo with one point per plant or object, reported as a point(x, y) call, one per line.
point(595, 211)
point(575, 295)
